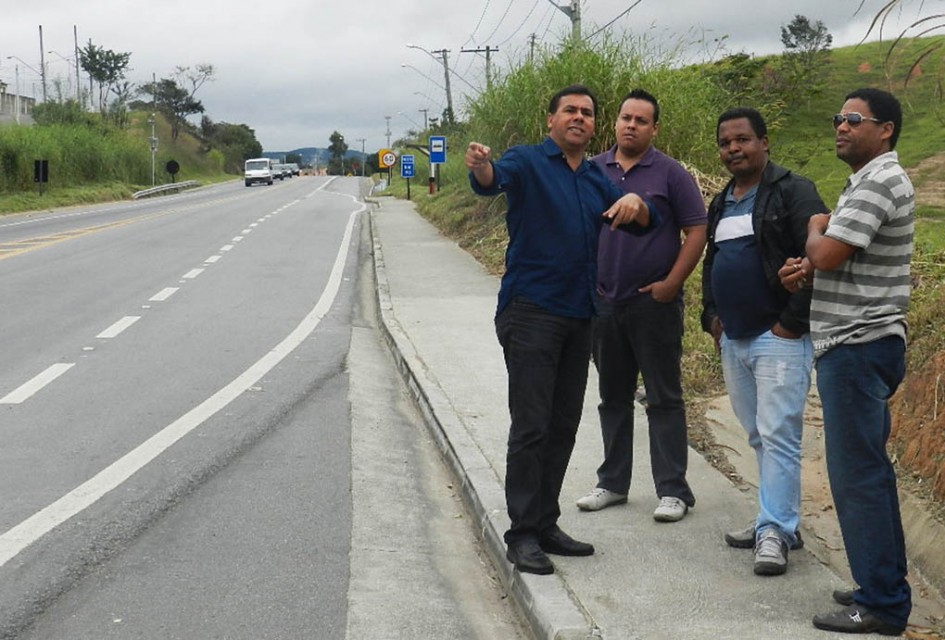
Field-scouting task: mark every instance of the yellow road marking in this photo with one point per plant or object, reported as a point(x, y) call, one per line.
point(19, 247)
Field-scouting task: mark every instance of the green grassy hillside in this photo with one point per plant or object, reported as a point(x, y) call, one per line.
point(94, 163)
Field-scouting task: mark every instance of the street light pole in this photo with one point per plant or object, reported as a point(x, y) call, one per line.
point(42, 62)
point(153, 141)
point(363, 157)
point(388, 130)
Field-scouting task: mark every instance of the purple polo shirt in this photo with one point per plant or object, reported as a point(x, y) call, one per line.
point(626, 262)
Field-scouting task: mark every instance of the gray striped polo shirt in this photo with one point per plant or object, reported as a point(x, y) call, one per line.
point(866, 297)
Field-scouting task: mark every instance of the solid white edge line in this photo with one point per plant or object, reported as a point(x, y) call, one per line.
point(39, 524)
point(114, 330)
point(29, 388)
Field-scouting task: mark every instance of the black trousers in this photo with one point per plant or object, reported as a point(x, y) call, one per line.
point(642, 336)
point(547, 358)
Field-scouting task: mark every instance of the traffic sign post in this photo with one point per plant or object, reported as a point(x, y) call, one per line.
point(407, 170)
point(437, 157)
point(385, 160)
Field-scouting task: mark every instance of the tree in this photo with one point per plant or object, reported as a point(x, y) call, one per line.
point(104, 66)
point(237, 142)
point(803, 67)
point(196, 77)
point(337, 148)
point(175, 102)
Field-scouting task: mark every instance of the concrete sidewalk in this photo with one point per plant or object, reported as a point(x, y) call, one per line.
point(648, 580)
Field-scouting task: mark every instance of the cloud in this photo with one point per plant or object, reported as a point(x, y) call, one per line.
point(296, 72)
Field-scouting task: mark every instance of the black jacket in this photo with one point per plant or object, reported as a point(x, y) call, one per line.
point(784, 203)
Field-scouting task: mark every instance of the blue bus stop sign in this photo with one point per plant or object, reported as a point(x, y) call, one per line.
point(437, 149)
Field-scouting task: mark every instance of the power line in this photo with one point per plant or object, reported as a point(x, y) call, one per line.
point(622, 14)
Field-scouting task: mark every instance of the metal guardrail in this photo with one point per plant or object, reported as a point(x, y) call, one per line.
point(161, 189)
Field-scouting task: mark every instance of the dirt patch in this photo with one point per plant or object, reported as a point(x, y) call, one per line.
point(918, 437)
point(929, 179)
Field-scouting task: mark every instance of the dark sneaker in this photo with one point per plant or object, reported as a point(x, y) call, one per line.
point(843, 596)
point(856, 619)
point(770, 554)
point(745, 538)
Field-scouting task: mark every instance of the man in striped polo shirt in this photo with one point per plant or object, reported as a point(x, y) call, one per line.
point(861, 255)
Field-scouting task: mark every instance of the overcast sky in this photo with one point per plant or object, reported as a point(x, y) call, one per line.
point(297, 71)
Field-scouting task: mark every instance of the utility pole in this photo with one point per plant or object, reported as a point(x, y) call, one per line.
point(487, 51)
point(42, 61)
point(388, 131)
point(78, 89)
point(444, 53)
point(424, 112)
point(531, 47)
point(573, 11)
point(362, 141)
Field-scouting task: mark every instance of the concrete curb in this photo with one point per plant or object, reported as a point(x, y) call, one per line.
point(551, 609)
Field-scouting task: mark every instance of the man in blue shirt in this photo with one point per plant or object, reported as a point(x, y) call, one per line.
point(557, 203)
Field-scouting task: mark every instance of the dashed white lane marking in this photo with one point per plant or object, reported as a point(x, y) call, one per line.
point(246, 231)
point(226, 247)
point(193, 273)
point(164, 294)
point(39, 524)
point(238, 239)
point(212, 259)
point(28, 389)
point(114, 330)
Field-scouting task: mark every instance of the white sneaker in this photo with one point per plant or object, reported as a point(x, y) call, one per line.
point(599, 498)
point(670, 509)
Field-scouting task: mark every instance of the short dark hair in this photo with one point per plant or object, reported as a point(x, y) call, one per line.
point(757, 121)
point(884, 106)
point(572, 90)
point(640, 94)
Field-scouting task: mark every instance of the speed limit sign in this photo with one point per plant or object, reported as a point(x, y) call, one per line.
point(386, 158)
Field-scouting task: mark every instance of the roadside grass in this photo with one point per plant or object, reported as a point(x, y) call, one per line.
point(95, 164)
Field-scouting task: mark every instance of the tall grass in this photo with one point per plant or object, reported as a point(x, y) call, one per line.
point(77, 155)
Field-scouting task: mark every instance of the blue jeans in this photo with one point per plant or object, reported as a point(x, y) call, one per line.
point(855, 382)
point(642, 336)
point(547, 358)
point(767, 379)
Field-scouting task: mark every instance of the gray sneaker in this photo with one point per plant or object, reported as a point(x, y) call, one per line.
point(599, 498)
point(770, 554)
point(745, 538)
point(670, 509)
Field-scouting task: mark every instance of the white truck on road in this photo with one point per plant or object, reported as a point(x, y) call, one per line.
point(258, 170)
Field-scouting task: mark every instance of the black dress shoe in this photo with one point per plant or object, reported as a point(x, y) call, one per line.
point(528, 557)
point(843, 596)
point(559, 543)
point(856, 619)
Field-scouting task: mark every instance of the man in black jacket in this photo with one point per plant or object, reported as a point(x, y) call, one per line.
point(761, 328)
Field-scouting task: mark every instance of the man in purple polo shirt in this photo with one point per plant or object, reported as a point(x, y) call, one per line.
point(639, 330)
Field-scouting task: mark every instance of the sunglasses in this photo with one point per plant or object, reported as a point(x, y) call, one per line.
point(853, 119)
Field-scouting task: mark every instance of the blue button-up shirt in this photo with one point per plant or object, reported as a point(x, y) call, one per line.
point(554, 218)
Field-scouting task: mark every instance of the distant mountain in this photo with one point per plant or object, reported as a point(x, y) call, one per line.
point(313, 155)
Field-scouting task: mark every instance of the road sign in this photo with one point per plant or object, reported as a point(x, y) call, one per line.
point(386, 159)
point(437, 149)
point(406, 166)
